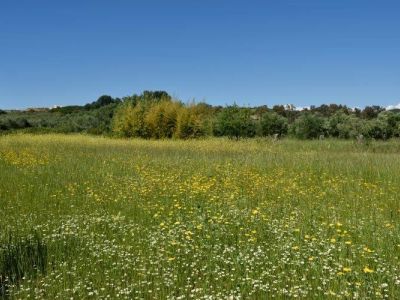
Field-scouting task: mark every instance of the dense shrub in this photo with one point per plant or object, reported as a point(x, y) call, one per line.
point(350, 127)
point(377, 129)
point(188, 125)
point(193, 121)
point(235, 122)
point(309, 126)
point(337, 125)
point(4, 125)
point(272, 123)
point(17, 123)
point(161, 119)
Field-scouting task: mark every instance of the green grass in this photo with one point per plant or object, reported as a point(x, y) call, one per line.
point(202, 219)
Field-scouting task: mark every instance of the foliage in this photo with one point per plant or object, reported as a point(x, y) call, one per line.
point(161, 119)
point(155, 114)
point(349, 127)
point(17, 123)
point(70, 109)
point(371, 112)
point(272, 123)
point(235, 122)
point(188, 124)
point(308, 126)
point(129, 120)
point(194, 121)
point(101, 101)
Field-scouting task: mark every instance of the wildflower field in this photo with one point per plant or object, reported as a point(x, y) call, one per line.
point(94, 218)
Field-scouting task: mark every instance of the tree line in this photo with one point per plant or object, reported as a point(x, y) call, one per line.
point(156, 115)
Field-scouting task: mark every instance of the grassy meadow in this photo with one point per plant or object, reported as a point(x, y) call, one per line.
point(95, 218)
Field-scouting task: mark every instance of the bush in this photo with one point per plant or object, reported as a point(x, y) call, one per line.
point(235, 122)
point(337, 125)
point(18, 123)
point(161, 119)
point(272, 123)
point(309, 126)
point(4, 124)
point(348, 127)
point(377, 129)
point(192, 121)
point(128, 120)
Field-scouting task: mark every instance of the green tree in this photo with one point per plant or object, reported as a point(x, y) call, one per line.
point(308, 126)
point(378, 128)
point(101, 101)
point(348, 127)
point(272, 123)
point(235, 122)
point(337, 124)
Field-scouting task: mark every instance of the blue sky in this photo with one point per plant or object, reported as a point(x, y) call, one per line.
point(304, 52)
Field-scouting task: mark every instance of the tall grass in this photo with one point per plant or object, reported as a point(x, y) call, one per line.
point(21, 258)
point(199, 219)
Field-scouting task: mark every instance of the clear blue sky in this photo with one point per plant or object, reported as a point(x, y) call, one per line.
point(302, 52)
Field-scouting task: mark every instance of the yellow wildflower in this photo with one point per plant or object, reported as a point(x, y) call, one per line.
point(346, 269)
point(368, 270)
